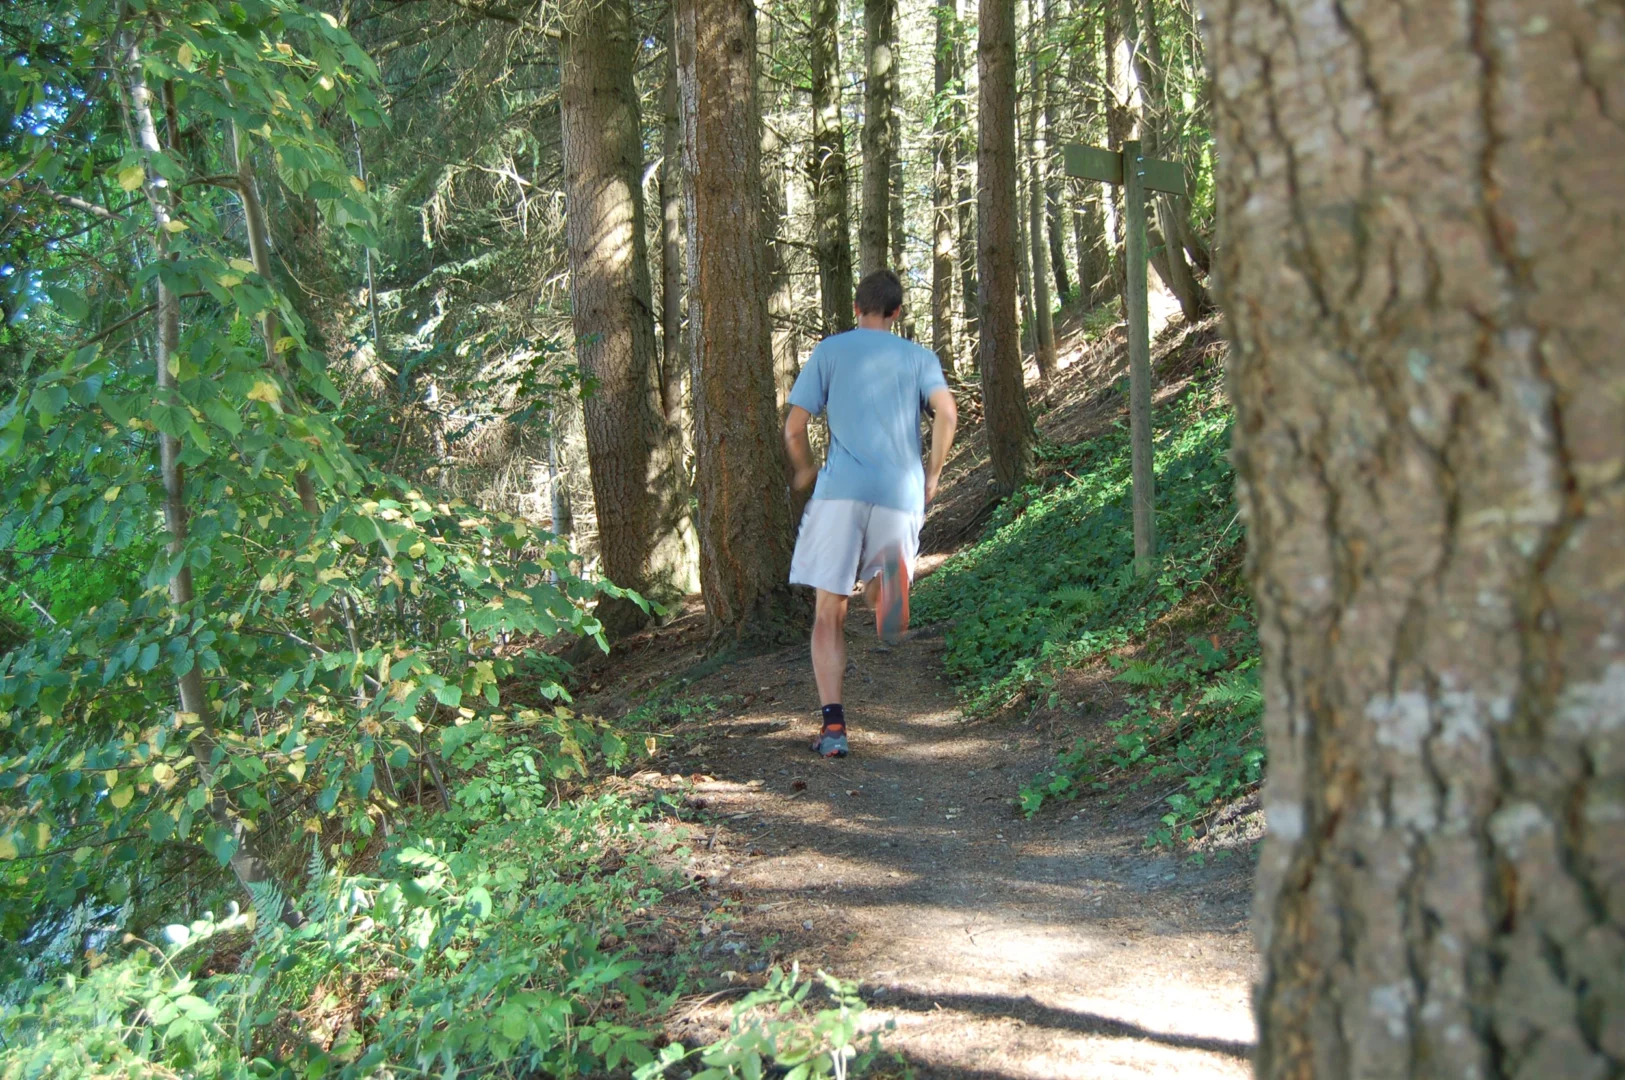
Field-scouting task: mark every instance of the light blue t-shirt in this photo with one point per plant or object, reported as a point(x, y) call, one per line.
point(873, 385)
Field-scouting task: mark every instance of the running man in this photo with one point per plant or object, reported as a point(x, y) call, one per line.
point(863, 521)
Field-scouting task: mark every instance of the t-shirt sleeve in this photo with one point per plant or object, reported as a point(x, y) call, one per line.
point(931, 379)
point(811, 388)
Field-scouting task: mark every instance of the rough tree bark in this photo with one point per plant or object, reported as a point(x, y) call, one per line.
point(633, 455)
point(1421, 270)
point(826, 170)
point(944, 141)
point(1037, 152)
point(776, 176)
point(1004, 393)
point(879, 132)
point(744, 509)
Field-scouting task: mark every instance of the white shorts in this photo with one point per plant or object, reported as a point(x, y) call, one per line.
point(841, 542)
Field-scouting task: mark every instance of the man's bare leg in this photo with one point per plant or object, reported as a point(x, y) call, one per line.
point(829, 646)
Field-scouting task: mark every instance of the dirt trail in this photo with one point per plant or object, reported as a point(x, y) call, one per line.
point(1001, 948)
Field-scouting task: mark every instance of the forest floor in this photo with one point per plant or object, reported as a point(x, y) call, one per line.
point(1000, 947)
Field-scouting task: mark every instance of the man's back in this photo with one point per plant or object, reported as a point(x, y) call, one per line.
point(873, 385)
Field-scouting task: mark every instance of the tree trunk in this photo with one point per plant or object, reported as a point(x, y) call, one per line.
point(744, 510)
point(1119, 128)
point(1089, 222)
point(775, 205)
point(832, 231)
point(1004, 393)
point(1421, 269)
point(633, 455)
point(673, 357)
point(944, 141)
point(1037, 151)
point(1167, 247)
point(1056, 211)
point(879, 132)
point(968, 290)
point(247, 862)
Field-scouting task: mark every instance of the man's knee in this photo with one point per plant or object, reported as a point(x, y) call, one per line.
point(830, 611)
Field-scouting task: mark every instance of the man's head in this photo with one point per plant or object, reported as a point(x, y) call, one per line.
point(879, 294)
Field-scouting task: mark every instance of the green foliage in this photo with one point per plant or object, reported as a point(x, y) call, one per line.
point(775, 1028)
point(487, 950)
point(1051, 585)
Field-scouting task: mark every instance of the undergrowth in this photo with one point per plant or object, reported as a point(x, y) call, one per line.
point(1051, 586)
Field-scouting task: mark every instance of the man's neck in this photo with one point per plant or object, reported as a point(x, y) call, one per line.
point(876, 322)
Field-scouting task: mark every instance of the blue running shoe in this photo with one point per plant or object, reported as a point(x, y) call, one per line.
point(831, 744)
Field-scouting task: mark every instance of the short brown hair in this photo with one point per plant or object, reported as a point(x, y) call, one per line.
point(879, 293)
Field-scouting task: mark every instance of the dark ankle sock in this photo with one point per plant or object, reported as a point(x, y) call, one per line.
point(834, 718)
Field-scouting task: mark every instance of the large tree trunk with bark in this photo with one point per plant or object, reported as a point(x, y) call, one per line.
point(879, 132)
point(944, 141)
point(832, 230)
point(744, 508)
point(633, 455)
point(1004, 392)
point(1421, 269)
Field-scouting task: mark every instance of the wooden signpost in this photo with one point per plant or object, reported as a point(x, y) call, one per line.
point(1137, 174)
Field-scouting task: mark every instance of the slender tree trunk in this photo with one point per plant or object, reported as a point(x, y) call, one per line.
point(968, 290)
point(1119, 128)
point(1037, 182)
point(744, 509)
point(1056, 211)
point(775, 204)
point(944, 142)
point(1004, 393)
point(879, 132)
point(1167, 251)
point(1421, 269)
point(1089, 223)
point(246, 861)
point(674, 355)
point(1024, 264)
point(832, 230)
point(633, 455)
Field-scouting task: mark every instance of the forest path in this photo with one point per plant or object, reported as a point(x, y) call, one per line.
point(1002, 948)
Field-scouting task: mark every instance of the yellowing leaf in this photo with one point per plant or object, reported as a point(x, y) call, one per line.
point(651, 744)
point(122, 795)
point(81, 854)
point(331, 21)
point(185, 718)
point(163, 774)
point(112, 493)
point(264, 390)
point(242, 266)
point(416, 550)
point(230, 281)
point(268, 582)
point(131, 177)
point(8, 847)
point(175, 225)
point(286, 344)
point(111, 776)
point(297, 770)
point(185, 57)
point(42, 835)
point(359, 184)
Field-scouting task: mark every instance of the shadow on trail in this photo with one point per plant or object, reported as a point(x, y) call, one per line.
point(1028, 1011)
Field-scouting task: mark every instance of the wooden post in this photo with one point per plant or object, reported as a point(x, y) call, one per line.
point(1139, 359)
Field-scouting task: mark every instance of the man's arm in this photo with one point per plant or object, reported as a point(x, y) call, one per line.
point(799, 449)
point(943, 422)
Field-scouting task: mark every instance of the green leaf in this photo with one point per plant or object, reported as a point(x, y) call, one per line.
point(220, 843)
